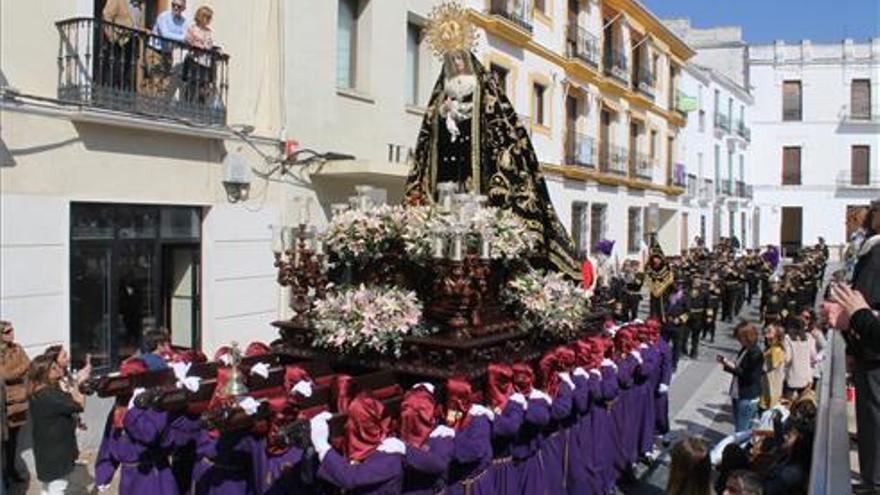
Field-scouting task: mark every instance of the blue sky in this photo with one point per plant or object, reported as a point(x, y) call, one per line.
point(790, 20)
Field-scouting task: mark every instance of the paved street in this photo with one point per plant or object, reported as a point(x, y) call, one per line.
point(699, 404)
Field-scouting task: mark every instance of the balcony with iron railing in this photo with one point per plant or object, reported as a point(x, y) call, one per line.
point(707, 190)
point(722, 121)
point(692, 186)
point(793, 113)
point(740, 188)
point(725, 187)
point(616, 66)
point(678, 177)
point(743, 131)
point(583, 45)
point(645, 83)
point(109, 66)
point(521, 17)
point(641, 166)
point(679, 102)
point(847, 180)
point(613, 159)
point(580, 150)
point(860, 114)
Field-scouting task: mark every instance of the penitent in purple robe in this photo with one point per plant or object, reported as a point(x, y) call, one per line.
point(648, 378)
point(582, 479)
point(278, 474)
point(604, 445)
point(223, 465)
point(425, 468)
point(626, 414)
point(139, 451)
point(505, 428)
point(378, 474)
point(183, 433)
point(558, 440)
point(527, 456)
point(471, 458)
point(661, 399)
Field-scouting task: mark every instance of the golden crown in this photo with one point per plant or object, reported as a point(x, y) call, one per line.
point(450, 29)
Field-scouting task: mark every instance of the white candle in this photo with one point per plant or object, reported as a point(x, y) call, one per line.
point(298, 206)
point(439, 247)
point(309, 201)
point(457, 245)
point(277, 240)
point(485, 247)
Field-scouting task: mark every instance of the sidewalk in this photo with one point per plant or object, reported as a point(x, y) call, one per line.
point(699, 405)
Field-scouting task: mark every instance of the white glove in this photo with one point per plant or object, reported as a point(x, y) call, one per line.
point(226, 359)
point(596, 373)
point(103, 488)
point(581, 373)
point(427, 386)
point(637, 355)
point(137, 391)
point(643, 346)
point(190, 383)
point(608, 362)
point(392, 445)
point(536, 394)
point(442, 431)
point(478, 410)
point(250, 405)
point(180, 370)
point(302, 387)
point(566, 377)
point(518, 398)
point(663, 388)
point(320, 433)
point(261, 369)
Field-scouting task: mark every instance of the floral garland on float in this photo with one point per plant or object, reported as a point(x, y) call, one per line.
point(551, 306)
point(362, 319)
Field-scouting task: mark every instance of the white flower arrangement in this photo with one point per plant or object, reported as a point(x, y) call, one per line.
point(361, 235)
point(362, 319)
point(550, 304)
point(509, 237)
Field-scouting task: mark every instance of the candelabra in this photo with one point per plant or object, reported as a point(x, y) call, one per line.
point(301, 267)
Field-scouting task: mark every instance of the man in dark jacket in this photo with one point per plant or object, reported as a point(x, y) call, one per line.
point(863, 342)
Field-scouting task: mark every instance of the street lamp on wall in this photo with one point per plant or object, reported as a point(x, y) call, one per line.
point(237, 177)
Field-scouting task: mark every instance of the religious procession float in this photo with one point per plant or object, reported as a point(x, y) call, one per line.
point(471, 284)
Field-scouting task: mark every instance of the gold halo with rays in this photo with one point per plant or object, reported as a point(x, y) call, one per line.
point(450, 29)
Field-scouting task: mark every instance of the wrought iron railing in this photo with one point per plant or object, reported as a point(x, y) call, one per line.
point(740, 189)
point(743, 130)
point(707, 190)
point(830, 469)
point(613, 159)
point(792, 114)
point(521, 17)
point(580, 149)
point(864, 113)
point(110, 66)
point(692, 186)
point(722, 121)
point(641, 166)
point(726, 187)
point(676, 104)
point(846, 179)
point(645, 83)
point(678, 177)
point(616, 66)
point(583, 45)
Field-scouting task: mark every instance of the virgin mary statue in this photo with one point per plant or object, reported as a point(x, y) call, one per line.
point(471, 136)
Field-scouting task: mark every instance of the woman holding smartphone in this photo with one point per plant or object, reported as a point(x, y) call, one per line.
point(747, 370)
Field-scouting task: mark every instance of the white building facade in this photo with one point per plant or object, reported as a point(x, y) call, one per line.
point(817, 136)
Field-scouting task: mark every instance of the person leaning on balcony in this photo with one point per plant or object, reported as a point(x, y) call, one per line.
point(172, 24)
point(119, 56)
point(199, 67)
point(13, 365)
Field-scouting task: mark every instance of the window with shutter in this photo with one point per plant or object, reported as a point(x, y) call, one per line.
point(860, 171)
point(791, 166)
point(791, 100)
point(860, 99)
